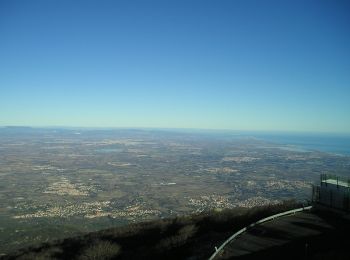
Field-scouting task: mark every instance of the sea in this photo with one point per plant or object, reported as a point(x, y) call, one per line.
point(334, 144)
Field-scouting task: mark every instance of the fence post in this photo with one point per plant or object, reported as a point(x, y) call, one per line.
point(337, 183)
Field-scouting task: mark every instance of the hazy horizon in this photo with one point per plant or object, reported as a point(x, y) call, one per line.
point(180, 129)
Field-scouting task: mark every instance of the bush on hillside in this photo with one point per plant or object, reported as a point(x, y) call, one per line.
point(100, 250)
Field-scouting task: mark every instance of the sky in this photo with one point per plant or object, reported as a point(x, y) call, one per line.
point(220, 64)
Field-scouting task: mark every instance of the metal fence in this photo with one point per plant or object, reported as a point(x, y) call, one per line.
point(338, 179)
point(333, 192)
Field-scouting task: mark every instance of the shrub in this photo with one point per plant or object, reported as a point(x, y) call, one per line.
point(179, 239)
point(45, 254)
point(100, 250)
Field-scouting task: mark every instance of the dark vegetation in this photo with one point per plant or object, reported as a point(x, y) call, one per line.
point(193, 237)
point(185, 237)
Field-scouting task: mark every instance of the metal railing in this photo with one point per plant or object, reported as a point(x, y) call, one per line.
point(326, 177)
point(289, 212)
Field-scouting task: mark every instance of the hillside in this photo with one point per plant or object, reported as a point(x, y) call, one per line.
point(177, 238)
point(186, 237)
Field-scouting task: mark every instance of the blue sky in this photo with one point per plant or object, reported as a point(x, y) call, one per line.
point(242, 65)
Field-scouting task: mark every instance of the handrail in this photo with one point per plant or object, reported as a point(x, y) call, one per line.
point(289, 212)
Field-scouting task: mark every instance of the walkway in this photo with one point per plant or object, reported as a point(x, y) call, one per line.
point(275, 233)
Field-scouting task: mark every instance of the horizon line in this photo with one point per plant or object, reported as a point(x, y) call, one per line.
point(174, 128)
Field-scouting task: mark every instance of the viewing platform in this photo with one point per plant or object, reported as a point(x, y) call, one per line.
point(333, 192)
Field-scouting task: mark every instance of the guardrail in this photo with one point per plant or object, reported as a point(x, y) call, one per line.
point(289, 212)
